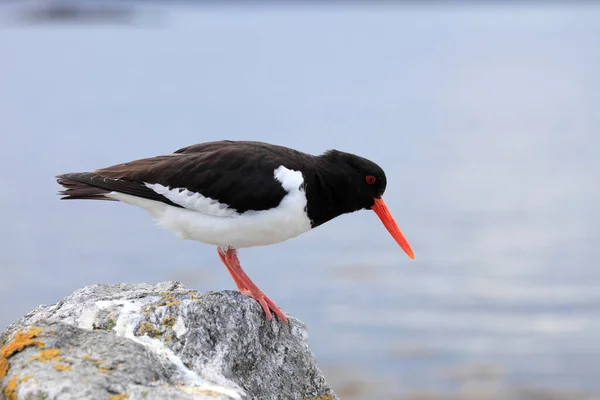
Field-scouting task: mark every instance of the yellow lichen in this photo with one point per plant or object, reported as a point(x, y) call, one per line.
point(168, 300)
point(169, 322)
point(3, 367)
point(196, 298)
point(10, 390)
point(107, 325)
point(21, 341)
point(25, 378)
point(120, 396)
point(327, 396)
point(102, 369)
point(148, 309)
point(47, 355)
point(169, 337)
point(63, 367)
point(146, 328)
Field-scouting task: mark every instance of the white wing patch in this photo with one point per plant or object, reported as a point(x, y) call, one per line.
point(290, 180)
point(194, 201)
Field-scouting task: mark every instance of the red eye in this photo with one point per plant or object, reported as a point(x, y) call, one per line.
point(371, 179)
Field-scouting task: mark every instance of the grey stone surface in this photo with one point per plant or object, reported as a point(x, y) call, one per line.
point(158, 341)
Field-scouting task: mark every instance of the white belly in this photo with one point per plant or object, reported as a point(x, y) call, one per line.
point(227, 228)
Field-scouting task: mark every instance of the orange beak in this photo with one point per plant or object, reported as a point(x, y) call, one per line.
point(390, 224)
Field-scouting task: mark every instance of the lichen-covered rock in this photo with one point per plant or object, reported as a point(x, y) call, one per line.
point(157, 342)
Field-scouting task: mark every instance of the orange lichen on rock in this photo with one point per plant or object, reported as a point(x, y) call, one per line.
point(102, 369)
point(10, 390)
point(63, 367)
point(88, 357)
point(47, 355)
point(3, 367)
point(169, 322)
point(168, 300)
point(21, 341)
point(120, 396)
point(196, 298)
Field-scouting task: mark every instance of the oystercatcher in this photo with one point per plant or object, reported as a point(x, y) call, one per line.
point(237, 194)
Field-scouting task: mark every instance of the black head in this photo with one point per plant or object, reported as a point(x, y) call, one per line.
point(361, 180)
point(345, 183)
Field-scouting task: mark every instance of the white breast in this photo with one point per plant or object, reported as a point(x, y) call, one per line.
point(206, 220)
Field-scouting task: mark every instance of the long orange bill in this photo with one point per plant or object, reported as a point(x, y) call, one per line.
point(390, 224)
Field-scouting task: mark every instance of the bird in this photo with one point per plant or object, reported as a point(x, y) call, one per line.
point(241, 194)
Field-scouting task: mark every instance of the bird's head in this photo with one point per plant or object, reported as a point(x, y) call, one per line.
point(366, 183)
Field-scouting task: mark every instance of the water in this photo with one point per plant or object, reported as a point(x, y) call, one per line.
point(484, 118)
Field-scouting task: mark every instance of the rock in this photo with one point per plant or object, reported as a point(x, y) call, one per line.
point(158, 341)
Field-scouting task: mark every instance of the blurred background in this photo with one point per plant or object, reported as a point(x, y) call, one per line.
point(485, 116)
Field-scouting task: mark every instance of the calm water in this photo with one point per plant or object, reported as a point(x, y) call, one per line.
point(485, 119)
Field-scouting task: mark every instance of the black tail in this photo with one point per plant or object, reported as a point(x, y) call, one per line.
point(80, 186)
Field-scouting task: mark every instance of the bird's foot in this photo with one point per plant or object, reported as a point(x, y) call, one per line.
point(266, 303)
point(246, 286)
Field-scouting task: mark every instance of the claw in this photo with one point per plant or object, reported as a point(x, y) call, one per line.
point(246, 286)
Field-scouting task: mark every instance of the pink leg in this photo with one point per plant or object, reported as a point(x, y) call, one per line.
point(238, 282)
point(246, 286)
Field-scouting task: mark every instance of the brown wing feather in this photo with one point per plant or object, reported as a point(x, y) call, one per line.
point(129, 169)
point(90, 185)
point(75, 190)
point(223, 144)
point(209, 146)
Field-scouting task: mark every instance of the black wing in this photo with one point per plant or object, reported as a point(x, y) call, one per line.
point(238, 174)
